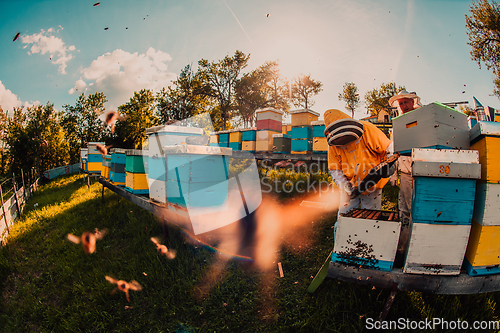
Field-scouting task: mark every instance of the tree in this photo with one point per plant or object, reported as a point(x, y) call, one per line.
point(378, 99)
point(221, 78)
point(139, 114)
point(467, 110)
point(262, 87)
point(483, 30)
point(302, 90)
point(82, 123)
point(187, 97)
point(36, 139)
point(350, 96)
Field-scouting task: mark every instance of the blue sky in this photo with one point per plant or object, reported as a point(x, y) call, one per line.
point(64, 49)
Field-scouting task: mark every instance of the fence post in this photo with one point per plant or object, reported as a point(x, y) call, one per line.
point(15, 195)
point(3, 209)
point(24, 186)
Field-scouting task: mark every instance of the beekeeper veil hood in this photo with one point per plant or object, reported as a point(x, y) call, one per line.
point(340, 129)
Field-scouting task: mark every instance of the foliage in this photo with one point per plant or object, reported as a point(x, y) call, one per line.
point(378, 99)
point(302, 90)
point(139, 114)
point(82, 123)
point(483, 30)
point(188, 96)
point(3, 137)
point(221, 78)
point(467, 110)
point(350, 96)
point(36, 139)
point(262, 87)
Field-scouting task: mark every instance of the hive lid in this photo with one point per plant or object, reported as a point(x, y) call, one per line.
point(269, 109)
point(118, 150)
point(173, 129)
point(484, 128)
point(136, 152)
point(317, 122)
point(445, 155)
point(304, 111)
point(194, 149)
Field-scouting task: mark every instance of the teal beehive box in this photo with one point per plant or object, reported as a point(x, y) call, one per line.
point(134, 161)
point(318, 128)
point(301, 132)
point(248, 134)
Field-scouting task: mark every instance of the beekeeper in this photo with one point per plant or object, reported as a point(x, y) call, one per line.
point(405, 102)
point(355, 147)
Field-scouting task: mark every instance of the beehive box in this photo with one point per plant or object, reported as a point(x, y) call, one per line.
point(136, 183)
point(234, 145)
point(269, 124)
point(483, 251)
point(106, 166)
point(158, 137)
point(235, 136)
point(485, 138)
point(265, 135)
point(118, 161)
point(196, 176)
point(248, 135)
point(94, 163)
point(432, 126)
point(437, 249)
point(269, 114)
point(223, 137)
point(134, 161)
point(264, 145)
point(214, 138)
point(318, 129)
point(303, 117)
point(92, 147)
point(281, 144)
point(301, 132)
point(444, 185)
point(487, 204)
point(301, 146)
point(367, 238)
point(284, 128)
point(248, 146)
point(320, 145)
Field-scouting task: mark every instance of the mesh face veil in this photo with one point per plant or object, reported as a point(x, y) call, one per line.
point(341, 129)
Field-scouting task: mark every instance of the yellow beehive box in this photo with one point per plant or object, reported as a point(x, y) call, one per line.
point(94, 167)
point(303, 117)
point(214, 138)
point(284, 129)
point(489, 154)
point(235, 136)
point(483, 251)
point(301, 152)
point(248, 145)
point(320, 144)
point(136, 181)
point(264, 145)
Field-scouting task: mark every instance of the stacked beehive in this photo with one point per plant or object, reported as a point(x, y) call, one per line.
point(269, 122)
point(367, 238)
point(248, 139)
point(223, 138)
point(444, 184)
point(235, 139)
point(159, 137)
point(286, 129)
point(301, 133)
point(83, 158)
point(214, 139)
point(136, 180)
point(94, 158)
point(483, 251)
point(117, 172)
point(320, 145)
point(106, 166)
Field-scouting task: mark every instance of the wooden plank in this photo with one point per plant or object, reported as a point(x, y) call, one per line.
point(462, 284)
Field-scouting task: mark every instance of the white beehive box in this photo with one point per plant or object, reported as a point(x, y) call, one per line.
point(367, 238)
point(436, 249)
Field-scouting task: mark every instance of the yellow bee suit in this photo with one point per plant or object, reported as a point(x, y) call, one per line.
point(356, 158)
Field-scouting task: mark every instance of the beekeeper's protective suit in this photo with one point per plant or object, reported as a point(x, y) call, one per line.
point(355, 147)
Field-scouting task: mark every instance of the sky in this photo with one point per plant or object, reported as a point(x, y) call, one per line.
point(121, 46)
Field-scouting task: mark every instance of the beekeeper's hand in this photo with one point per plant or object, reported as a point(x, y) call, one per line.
point(394, 179)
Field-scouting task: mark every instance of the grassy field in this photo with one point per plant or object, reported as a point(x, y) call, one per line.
point(48, 284)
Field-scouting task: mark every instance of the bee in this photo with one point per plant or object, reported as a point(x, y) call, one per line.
point(162, 249)
point(124, 286)
point(16, 36)
point(88, 239)
point(103, 149)
point(111, 118)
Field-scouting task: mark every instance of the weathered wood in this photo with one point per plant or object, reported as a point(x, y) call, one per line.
point(15, 194)
point(3, 209)
point(462, 284)
point(388, 303)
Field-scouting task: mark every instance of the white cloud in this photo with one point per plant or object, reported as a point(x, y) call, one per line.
point(9, 100)
point(44, 42)
point(119, 73)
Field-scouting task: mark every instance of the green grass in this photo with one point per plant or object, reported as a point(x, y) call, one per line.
point(48, 284)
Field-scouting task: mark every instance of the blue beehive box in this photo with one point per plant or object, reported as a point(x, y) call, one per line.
point(223, 137)
point(302, 132)
point(248, 135)
point(301, 145)
point(318, 129)
point(197, 176)
point(118, 161)
point(234, 145)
